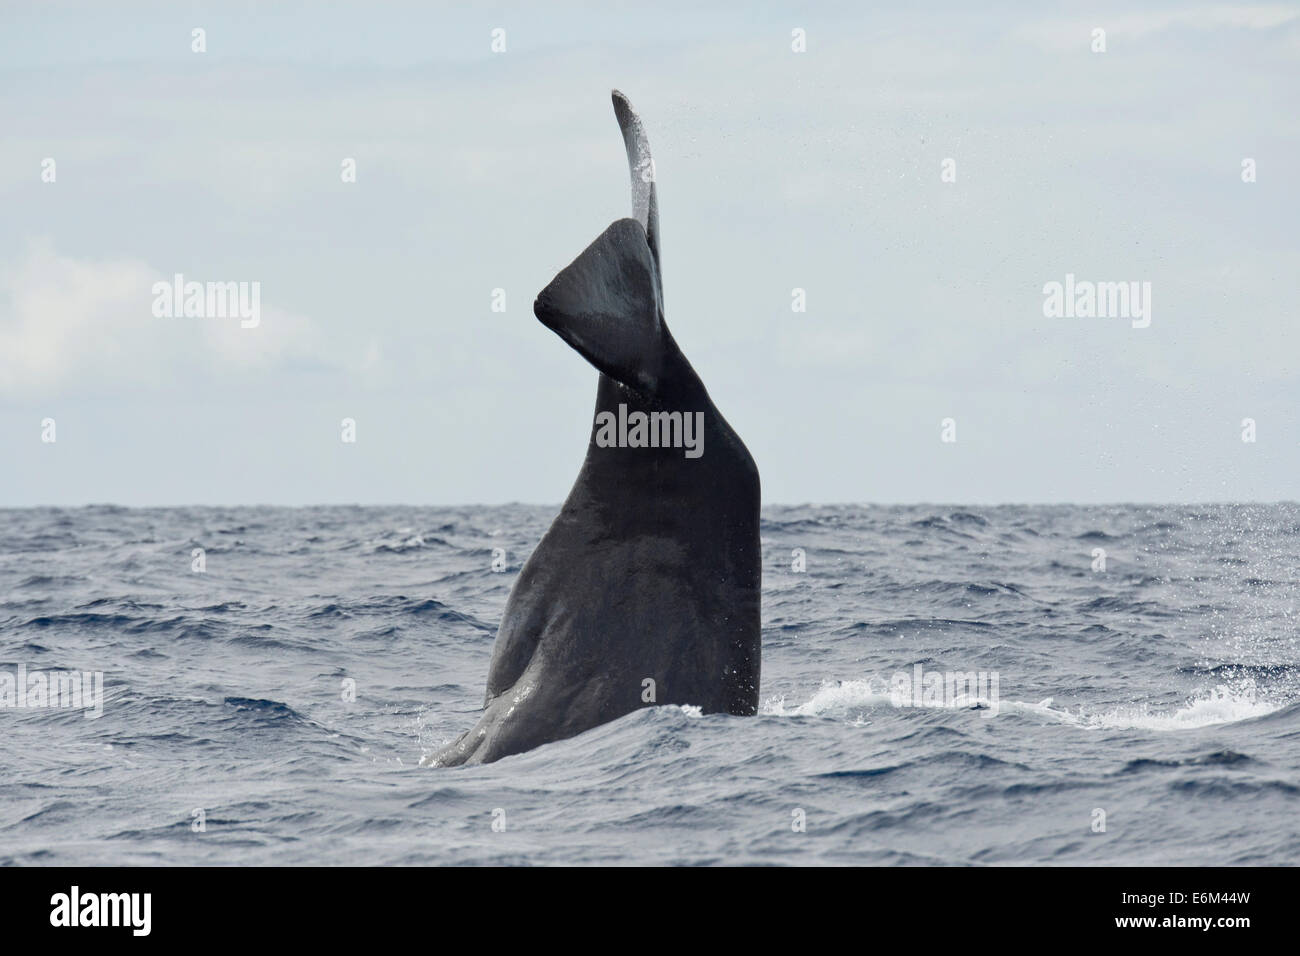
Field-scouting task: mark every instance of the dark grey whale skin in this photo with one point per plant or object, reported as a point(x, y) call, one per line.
point(652, 568)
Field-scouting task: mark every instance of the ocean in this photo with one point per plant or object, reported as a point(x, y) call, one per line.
point(947, 685)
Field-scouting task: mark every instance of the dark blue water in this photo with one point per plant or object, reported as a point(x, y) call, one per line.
point(1162, 691)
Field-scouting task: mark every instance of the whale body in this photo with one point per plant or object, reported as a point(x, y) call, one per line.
point(645, 590)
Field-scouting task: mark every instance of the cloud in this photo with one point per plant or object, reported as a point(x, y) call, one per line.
point(88, 324)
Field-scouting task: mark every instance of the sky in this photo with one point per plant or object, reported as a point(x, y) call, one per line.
point(922, 174)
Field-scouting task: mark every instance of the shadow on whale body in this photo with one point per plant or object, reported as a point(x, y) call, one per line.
point(645, 589)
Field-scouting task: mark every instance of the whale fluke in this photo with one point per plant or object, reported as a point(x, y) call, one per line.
point(641, 167)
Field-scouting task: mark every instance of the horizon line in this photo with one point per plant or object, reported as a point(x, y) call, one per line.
point(771, 504)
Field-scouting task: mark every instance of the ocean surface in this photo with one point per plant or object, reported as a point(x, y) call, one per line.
point(1159, 697)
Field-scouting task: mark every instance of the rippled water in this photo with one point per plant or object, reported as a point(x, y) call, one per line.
point(1162, 691)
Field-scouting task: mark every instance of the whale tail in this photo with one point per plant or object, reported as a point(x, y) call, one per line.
point(608, 303)
point(641, 167)
point(605, 305)
point(613, 596)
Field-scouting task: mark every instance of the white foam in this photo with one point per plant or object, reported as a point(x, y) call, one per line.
point(832, 697)
point(837, 697)
point(1222, 705)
